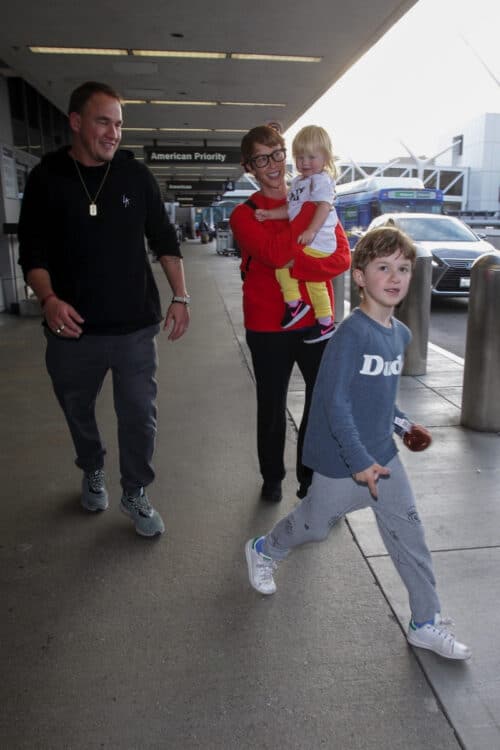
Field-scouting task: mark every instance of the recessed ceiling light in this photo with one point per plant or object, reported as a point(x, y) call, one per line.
point(76, 51)
point(275, 58)
point(252, 104)
point(187, 130)
point(179, 53)
point(195, 54)
point(183, 101)
point(191, 103)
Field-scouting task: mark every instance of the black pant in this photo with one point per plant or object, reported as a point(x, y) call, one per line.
point(78, 368)
point(273, 357)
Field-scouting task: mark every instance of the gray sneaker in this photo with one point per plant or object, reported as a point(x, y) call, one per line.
point(94, 492)
point(147, 520)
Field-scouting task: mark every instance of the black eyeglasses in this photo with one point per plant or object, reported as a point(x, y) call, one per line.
point(262, 160)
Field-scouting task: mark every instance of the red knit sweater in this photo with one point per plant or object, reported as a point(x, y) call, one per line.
point(268, 245)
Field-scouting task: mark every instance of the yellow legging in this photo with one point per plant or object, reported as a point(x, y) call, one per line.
point(317, 290)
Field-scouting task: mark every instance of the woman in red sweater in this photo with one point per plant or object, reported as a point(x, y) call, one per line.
point(264, 247)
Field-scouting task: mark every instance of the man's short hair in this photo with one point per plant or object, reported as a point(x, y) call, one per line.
point(82, 94)
point(381, 242)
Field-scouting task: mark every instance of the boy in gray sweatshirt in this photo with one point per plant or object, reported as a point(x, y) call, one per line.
point(350, 444)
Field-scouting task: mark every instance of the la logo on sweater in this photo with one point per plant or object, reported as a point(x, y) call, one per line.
point(374, 364)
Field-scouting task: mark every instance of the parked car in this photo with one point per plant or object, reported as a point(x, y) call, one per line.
point(453, 245)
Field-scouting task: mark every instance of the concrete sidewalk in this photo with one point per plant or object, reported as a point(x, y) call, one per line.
point(112, 641)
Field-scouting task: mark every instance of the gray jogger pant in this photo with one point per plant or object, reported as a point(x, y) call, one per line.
point(78, 367)
point(402, 532)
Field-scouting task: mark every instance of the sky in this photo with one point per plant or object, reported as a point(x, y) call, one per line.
point(419, 84)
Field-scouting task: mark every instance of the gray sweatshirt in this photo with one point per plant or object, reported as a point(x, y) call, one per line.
point(351, 422)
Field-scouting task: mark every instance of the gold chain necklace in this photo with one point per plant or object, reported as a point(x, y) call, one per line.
point(92, 201)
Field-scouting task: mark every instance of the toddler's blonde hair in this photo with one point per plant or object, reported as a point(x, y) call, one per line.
point(313, 138)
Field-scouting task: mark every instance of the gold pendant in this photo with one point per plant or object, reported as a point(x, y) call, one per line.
point(92, 209)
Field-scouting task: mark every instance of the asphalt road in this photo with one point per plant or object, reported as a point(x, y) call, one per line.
point(448, 324)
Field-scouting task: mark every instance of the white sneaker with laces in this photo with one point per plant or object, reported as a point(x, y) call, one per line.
point(260, 568)
point(438, 638)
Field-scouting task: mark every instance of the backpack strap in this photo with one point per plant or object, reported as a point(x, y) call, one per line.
point(244, 271)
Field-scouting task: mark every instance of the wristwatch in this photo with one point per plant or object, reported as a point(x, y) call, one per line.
point(186, 300)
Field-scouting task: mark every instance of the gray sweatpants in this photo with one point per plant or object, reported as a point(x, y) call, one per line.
point(78, 367)
point(330, 499)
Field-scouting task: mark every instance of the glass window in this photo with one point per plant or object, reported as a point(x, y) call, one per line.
point(19, 134)
point(32, 107)
point(349, 216)
point(37, 125)
point(46, 123)
point(436, 229)
point(60, 128)
point(16, 98)
point(430, 179)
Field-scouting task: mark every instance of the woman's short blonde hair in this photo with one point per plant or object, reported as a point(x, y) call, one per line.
point(314, 137)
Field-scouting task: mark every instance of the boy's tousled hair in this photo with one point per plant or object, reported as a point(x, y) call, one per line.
point(311, 138)
point(263, 134)
point(381, 242)
point(82, 94)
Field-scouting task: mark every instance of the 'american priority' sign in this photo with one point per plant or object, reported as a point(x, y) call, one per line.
point(182, 155)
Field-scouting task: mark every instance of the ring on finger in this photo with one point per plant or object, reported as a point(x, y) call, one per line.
point(58, 330)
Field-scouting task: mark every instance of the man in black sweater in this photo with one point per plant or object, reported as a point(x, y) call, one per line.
point(85, 213)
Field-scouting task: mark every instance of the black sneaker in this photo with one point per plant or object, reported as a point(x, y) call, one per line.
point(271, 492)
point(319, 333)
point(302, 490)
point(294, 314)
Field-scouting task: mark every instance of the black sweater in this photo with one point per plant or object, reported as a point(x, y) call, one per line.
point(98, 264)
